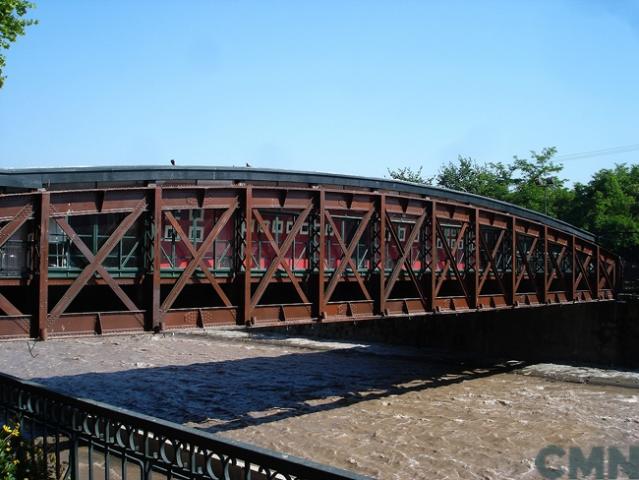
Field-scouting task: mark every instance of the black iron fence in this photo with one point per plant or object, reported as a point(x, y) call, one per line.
point(63, 437)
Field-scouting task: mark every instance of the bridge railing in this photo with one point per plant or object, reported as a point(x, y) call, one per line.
point(71, 438)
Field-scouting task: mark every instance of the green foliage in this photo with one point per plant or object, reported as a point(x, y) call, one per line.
point(491, 179)
point(607, 206)
point(12, 25)
point(536, 185)
point(8, 460)
point(20, 460)
point(530, 182)
point(407, 174)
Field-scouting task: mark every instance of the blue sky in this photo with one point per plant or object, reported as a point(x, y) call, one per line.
point(346, 86)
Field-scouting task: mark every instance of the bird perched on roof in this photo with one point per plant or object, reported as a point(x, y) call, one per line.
point(173, 162)
point(248, 164)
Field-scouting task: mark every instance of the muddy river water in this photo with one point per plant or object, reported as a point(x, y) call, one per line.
point(384, 415)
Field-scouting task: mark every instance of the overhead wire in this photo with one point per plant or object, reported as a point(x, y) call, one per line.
point(598, 153)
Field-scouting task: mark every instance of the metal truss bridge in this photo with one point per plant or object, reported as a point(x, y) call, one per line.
point(132, 248)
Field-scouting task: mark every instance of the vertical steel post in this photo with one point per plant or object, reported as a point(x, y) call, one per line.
point(381, 301)
point(433, 256)
point(597, 272)
point(43, 266)
point(248, 255)
point(513, 264)
point(320, 312)
point(545, 286)
point(156, 313)
point(477, 259)
point(573, 288)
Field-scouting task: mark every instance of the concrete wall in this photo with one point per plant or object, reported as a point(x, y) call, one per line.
point(601, 332)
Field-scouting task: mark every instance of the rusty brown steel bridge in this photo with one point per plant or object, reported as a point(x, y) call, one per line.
point(149, 248)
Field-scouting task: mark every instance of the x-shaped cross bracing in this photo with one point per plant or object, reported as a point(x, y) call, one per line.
point(6, 232)
point(280, 255)
point(607, 270)
point(197, 259)
point(95, 262)
point(555, 269)
point(450, 259)
point(491, 262)
point(347, 259)
point(526, 257)
point(583, 270)
point(403, 260)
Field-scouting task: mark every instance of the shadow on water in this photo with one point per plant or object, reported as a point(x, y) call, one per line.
point(232, 394)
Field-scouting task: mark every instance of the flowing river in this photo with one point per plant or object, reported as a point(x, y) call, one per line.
point(379, 412)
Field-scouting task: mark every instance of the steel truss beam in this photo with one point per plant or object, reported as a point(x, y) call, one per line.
point(607, 268)
point(6, 232)
point(95, 262)
point(555, 271)
point(583, 272)
point(555, 265)
point(198, 258)
point(347, 255)
point(403, 260)
point(280, 253)
point(528, 272)
point(451, 259)
point(490, 256)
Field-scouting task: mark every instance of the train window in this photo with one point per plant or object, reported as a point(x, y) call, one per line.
point(401, 233)
point(56, 234)
point(170, 233)
point(196, 234)
point(289, 226)
point(277, 225)
point(58, 246)
point(304, 229)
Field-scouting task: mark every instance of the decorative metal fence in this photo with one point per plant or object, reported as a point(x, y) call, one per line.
point(64, 437)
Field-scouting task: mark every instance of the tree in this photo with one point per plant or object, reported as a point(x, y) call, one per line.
point(536, 184)
point(407, 174)
point(608, 206)
point(466, 175)
point(12, 25)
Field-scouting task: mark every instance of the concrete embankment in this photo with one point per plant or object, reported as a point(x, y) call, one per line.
point(598, 332)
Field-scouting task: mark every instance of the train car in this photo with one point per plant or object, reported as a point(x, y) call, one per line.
point(195, 222)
